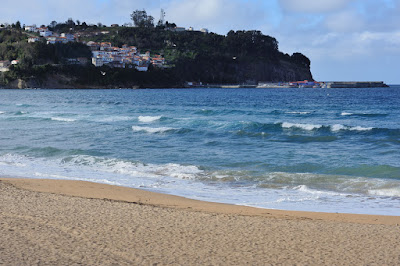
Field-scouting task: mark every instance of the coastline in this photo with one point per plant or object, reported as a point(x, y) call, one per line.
point(83, 222)
point(91, 190)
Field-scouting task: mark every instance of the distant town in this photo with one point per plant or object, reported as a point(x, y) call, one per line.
point(103, 53)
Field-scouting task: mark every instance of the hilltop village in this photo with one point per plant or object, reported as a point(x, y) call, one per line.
point(102, 53)
point(76, 54)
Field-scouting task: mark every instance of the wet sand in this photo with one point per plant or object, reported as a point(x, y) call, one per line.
point(50, 222)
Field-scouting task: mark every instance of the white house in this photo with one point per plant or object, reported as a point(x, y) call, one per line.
point(45, 32)
point(69, 37)
point(31, 28)
point(204, 30)
point(97, 61)
point(33, 39)
point(56, 39)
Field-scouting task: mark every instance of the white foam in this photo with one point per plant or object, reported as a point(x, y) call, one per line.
point(148, 119)
point(179, 171)
point(115, 119)
point(62, 119)
point(1, 112)
point(306, 189)
point(389, 192)
point(299, 113)
point(338, 127)
point(177, 179)
point(346, 114)
point(151, 129)
point(301, 126)
point(358, 128)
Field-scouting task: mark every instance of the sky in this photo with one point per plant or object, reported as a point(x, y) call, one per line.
point(349, 40)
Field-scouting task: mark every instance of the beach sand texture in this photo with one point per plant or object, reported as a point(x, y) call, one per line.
point(58, 222)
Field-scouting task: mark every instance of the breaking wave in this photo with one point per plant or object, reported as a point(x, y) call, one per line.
point(149, 119)
point(363, 114)
point(301, 126)
point(62, 119)
point(152, 129)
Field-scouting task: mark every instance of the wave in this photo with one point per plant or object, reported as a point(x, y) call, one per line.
point(1, 112)
point(331, 183)
point(62, 119)
point(114, 119)
point(334, 128)
point(388, 192)
point(97, 169)
point(134, 169)
point(363, 114)
point(149, 119)
point(301, 126)
point(262, 129)
point(299, 113)
point(339, 127)
point(206, 112)
point(152, 129)
point(21, 113)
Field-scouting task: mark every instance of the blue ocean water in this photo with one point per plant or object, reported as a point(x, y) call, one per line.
point(329, 150)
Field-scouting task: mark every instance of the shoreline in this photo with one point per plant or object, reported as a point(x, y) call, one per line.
point(178, 86)
point(92, 190)
point(62, 222)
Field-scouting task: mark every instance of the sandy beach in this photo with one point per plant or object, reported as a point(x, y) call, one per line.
point(58, 222)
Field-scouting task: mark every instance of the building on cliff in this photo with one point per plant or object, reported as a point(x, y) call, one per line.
point(125, 57)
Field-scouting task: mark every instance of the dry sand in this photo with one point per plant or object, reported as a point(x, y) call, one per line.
point(56, 222)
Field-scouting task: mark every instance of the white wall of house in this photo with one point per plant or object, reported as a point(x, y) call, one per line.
point(97, 62)
point(31, 28)
point(46, 33)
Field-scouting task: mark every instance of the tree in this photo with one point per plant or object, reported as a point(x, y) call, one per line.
point(141, 19)
point(70, 23)
point(18, 25)
point(53, 24)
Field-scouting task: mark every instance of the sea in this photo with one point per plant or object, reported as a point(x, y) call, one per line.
point(307, 149)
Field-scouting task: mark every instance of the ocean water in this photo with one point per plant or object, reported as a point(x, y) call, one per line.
point(328, 150)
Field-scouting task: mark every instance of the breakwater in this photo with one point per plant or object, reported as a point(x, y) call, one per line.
point(356, 84)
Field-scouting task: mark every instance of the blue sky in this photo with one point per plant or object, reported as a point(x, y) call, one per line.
point(345, 39)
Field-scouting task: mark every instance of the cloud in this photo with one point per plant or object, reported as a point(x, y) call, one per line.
point(217, 15)
point(313, 6)
point(345, 21)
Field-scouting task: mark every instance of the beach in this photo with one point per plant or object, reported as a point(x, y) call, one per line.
point(47, 222)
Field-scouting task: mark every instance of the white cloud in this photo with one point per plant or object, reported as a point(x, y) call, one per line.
point(345, 21)
point(313, 6)
point(217, 15)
